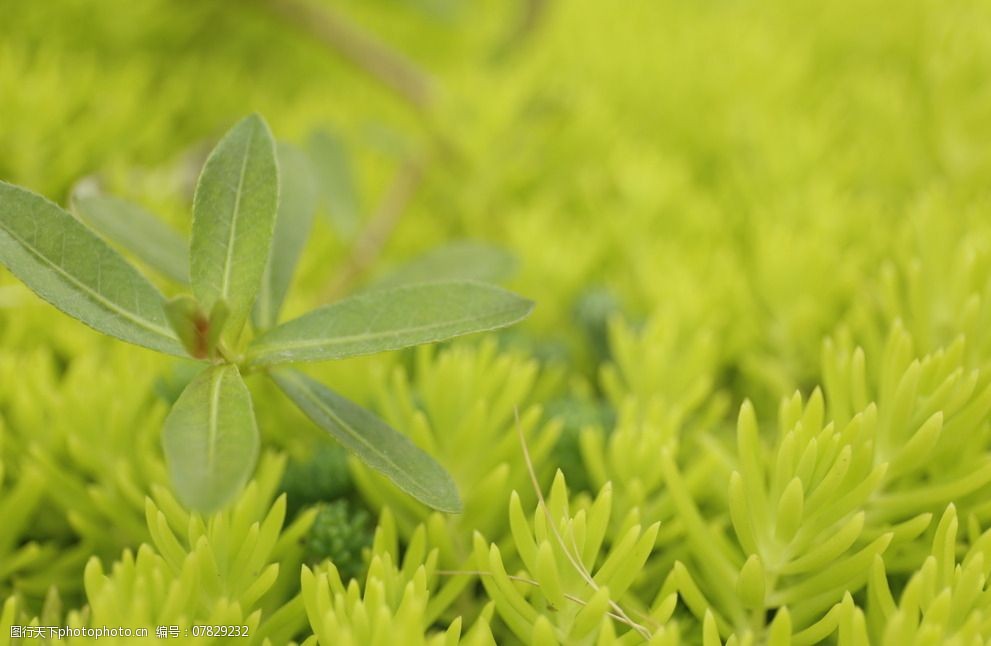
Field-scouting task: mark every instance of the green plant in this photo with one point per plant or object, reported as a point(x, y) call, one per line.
point(340, 533)
point(693, 226)
point(400, 596)
point(241, 258)
point(945, 601)
point(460, 403)
point(575, 585)
point(227, 569)
point(322, 477)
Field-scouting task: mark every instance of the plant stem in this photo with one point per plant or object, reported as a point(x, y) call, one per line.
point(226, 353)
point(573, 558)
point(528, 581)
point(359, 47)
point(373, 237)
point(397, 72)
point(531, 15)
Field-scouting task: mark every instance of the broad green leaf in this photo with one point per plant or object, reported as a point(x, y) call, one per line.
point(389, 319)
point(137, 231)
point(233, 219)
point(462, 260)
point(332, 169)
point(374, 442)
point(69, 266)
point(297, 203)
point(210, 439)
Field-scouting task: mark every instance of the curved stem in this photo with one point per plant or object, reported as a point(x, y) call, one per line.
point(359, 47)
point(368, 247)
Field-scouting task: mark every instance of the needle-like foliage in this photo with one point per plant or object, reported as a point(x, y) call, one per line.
point(753, 406)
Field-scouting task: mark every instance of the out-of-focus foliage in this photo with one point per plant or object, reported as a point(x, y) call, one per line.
point(758, 237)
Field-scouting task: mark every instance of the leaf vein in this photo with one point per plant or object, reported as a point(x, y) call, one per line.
point(86, 289)
point(213, 412)
point(229, 259)
point(367, 336)
point(308, 393)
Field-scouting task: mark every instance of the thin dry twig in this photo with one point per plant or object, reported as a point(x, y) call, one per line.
point(529, 18)
point(572, 558)
point(411, 83)
point(374, 236)
point(521, 579)
point(374, 57)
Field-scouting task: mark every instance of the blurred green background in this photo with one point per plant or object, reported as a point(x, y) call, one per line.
point(747, 163)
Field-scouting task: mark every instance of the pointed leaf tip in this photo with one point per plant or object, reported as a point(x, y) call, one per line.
point(234, 213)
point(72, 268)
point(373, 441)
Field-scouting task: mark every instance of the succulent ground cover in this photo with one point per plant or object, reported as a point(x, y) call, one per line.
point(752, 404)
